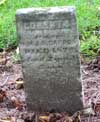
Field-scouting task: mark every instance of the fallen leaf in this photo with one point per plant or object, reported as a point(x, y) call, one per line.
point(2, 95)
point(95, 107)
point(19, 84)
point(3, 58)
point(44, 118)
point(5, 120)
point(16, 103)
point(77, 118)
point(19, 120)
point(68, 119)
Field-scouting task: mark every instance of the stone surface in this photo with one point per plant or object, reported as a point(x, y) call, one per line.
point(49, 48)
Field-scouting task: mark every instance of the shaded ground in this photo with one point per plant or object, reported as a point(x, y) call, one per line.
point(12, 98)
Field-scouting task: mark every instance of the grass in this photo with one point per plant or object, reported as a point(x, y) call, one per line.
point(88, 17)
point(91, 46)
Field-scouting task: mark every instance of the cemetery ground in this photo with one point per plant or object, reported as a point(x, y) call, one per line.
point(12, 96)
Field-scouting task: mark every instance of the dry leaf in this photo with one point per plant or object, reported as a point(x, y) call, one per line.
point(19, 84)
point(77, 118)
point(68, 119)
point(18, 104)
point(2, 95)
point(3, 58)
point(5, 120)
point(1, 98)
point(19, 120)
point(44, 118)
point(52, 117)
point(95, 107)
point(8, 119)
point(3, 61)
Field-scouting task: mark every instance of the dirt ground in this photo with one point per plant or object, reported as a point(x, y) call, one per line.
point(12, 96)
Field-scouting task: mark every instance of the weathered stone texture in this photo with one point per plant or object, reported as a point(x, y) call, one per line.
point(49, 48)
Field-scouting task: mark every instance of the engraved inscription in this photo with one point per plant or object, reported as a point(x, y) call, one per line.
point(41, 25)
point(47, 43)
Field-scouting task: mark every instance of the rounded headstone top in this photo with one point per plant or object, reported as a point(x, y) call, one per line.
point(68, 9)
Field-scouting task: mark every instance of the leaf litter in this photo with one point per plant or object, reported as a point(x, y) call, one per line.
point(12, 96)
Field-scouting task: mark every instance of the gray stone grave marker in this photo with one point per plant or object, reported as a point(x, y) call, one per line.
point(49, 48)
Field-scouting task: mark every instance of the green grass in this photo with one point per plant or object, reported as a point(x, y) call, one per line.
point(91, 46)
point(88, 17)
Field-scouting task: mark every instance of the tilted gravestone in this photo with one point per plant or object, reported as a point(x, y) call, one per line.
point(49, 48)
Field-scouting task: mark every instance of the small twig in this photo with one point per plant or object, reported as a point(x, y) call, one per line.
point(37, 117)
point(82, 69)
point(2, 84)
point(89, 117)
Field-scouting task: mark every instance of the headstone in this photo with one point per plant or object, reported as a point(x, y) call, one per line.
point(49, 48)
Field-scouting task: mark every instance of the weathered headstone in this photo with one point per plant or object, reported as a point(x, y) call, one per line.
point(49, 47)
